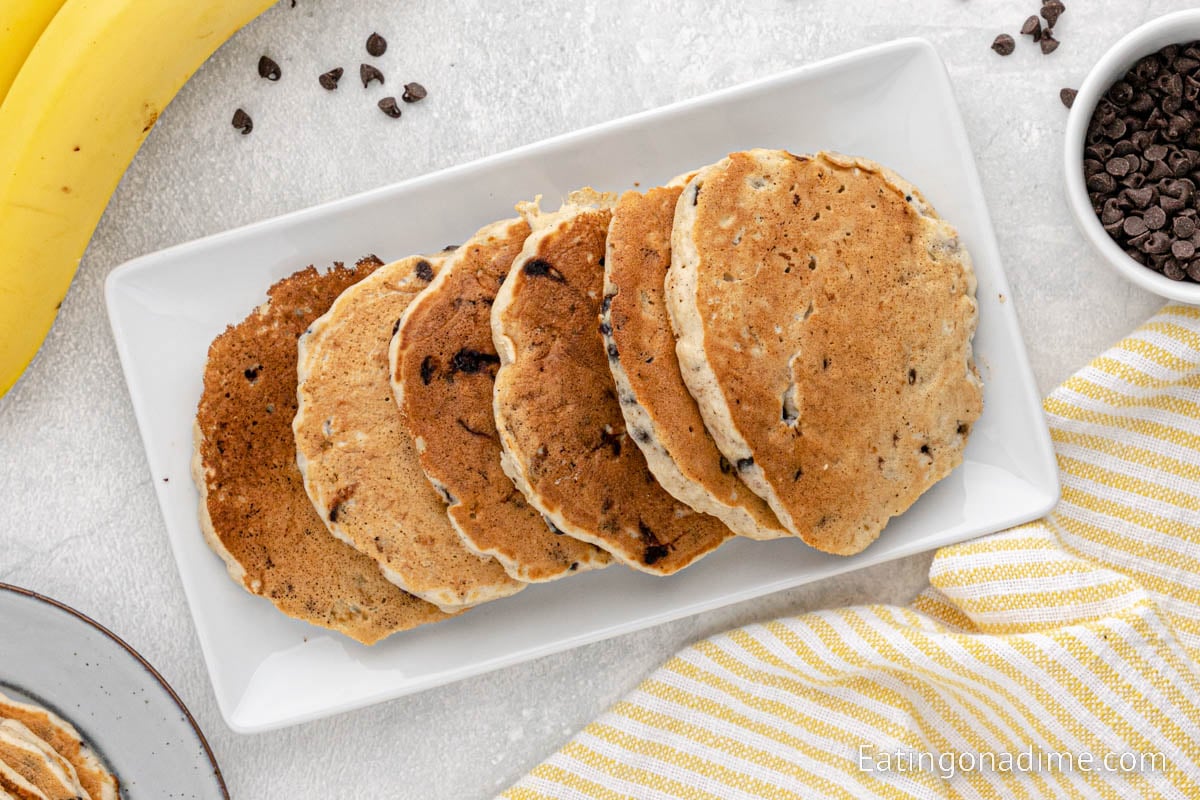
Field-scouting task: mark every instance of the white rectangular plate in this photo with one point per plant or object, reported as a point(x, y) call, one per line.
point(891, 103)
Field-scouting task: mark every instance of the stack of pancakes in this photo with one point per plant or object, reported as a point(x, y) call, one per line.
point(43, 757)
point(771, 346)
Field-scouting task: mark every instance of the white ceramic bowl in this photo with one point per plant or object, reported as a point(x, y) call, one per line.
point(1182, 26)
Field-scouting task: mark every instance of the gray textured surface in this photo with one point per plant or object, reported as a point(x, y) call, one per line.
point(82, 524)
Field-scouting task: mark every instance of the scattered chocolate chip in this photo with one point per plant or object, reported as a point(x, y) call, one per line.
point(389, 106)
point(1003, 45)
point(424, 270)
point(1067, 96)
point(1048, 43)
point(369, 73)
point(242, 121)
point(1051, 11)
point(268, 69)
point(1032, 27)
point(329, 80)
point(413, 92)
point(376, 45)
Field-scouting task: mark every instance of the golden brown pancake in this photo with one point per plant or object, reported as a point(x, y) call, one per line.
point(253, 508)
point(443, 366)
point(560, 424)
point(358, 457)
point(36, 763)
point(824, 316)
point(655, 403)
point(94, 777)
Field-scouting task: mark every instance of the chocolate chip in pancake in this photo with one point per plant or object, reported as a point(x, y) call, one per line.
point(824, 314)
point(656, 405)
point(358, 457)
point(443, 366)
point(253, 508)
point(565, 443)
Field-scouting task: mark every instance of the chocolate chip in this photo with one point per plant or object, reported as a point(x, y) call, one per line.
point(1004, 45)
point(1155, 218)
point(268, 69)
point(1048, 43)
point(1184, 227)
point(424, 270)
point(369, 73)
point(1183, 249)
point(389, 106)
point(1032, 27)
point(1134, 226)
point(329, 80)
point(1067, 96)
point(376, 45)
point(1117, 167)
point(428, 369)
point(1051, 11)
point(413, 92)
point(242, 121)
point(744, 464)
point(540, 268)
point(471, 361)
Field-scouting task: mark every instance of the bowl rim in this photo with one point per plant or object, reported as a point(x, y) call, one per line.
point(1114, 63)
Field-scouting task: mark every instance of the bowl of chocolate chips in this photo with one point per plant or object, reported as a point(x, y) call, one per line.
point(1133, 156)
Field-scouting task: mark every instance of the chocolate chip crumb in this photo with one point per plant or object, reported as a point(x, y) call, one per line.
point(242, 121)
point(329, 80)
point(268, 69)
point(1003, 45)
point(389, 106)
point(376, 45)
point(1067, 96)
point(413, 92)
point(369, 73)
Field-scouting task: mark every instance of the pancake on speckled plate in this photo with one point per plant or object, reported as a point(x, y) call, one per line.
point(93, 775)
point(358, 457)
point(253, 507)
point(656, 405)
point(32, 763)
point(565, 442)
point(824, 316)
point(443, 367)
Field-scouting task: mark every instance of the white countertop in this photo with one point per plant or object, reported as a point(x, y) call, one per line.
point(83, 525)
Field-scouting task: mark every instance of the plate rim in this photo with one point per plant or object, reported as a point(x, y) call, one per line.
point(58, 605)
point(907, 48)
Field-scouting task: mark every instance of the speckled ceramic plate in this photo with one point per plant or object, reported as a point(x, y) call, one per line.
point(892, 103)
point(54, 656)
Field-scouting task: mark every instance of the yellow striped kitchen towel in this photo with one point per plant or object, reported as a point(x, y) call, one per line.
point(1057, 659)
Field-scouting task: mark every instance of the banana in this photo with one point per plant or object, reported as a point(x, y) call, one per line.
point(21, 23)
point(85, 99)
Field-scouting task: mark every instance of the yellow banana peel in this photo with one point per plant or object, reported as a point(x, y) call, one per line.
point(85, 99)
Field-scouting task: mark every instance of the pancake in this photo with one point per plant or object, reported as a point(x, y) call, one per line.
point(15, 786)
point(253, 508)
point(93, 776)
point(564, 439)
point(359, 461)
point(655, 403)
point(443, 366)
point(37, 763)
point(824, 316)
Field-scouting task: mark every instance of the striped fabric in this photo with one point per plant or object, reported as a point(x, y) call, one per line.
point(1057, 659)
